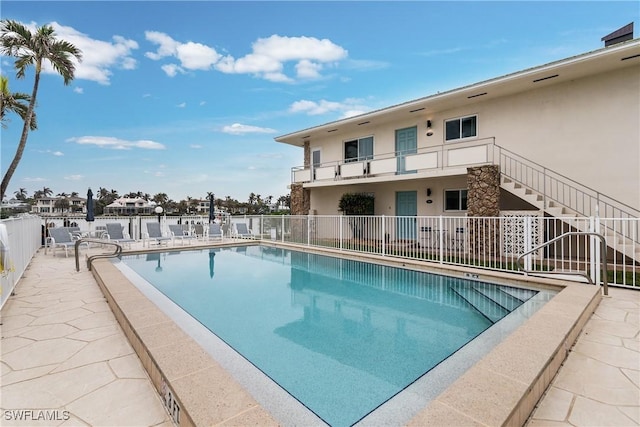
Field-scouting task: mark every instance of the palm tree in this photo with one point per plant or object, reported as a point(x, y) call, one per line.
point(33, 49)
point(21, 194)
point(17, 102)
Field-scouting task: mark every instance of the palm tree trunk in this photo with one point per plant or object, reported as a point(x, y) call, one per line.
point(25, 133)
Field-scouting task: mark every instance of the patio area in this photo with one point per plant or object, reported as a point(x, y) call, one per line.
point(66, 361)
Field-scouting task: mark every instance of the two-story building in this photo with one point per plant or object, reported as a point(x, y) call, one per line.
point(51, 206)
point(130, 206)
point(561, 138)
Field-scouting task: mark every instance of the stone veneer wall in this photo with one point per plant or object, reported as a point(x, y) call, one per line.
point(307, 154)
point(483, 200)
point(300, 200)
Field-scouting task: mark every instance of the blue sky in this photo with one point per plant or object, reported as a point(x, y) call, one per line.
point(187, 97)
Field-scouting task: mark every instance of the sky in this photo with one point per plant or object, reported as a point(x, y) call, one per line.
point(186, 98)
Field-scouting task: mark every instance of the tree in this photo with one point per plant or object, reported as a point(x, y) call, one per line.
point(34, 49)
point(45, 192)
point(161, 198)
point(21, 194)
point(17, 102)
point(358, 205)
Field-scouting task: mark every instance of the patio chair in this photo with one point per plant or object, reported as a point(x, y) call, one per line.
point(242, 231)
point(61, 238)
point(179, 233)
point(115, 233)
point(198, 230)
point(154, 233)
point(214, 232)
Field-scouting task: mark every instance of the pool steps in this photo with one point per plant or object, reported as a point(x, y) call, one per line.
point(493, 303)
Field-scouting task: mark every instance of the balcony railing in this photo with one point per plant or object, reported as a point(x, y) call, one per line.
point(445, 156)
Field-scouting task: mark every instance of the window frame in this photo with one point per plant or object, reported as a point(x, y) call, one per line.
point(462, 202)
point(358, 141)
point(460, 128)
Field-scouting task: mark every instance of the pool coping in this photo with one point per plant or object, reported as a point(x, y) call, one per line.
point(502, 389)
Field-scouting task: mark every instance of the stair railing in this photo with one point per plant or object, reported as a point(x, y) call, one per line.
point(603, 258)
point(559, 188)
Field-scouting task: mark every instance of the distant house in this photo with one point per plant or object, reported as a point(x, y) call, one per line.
point(15, 205)
point(51, 206)
point(130, 206)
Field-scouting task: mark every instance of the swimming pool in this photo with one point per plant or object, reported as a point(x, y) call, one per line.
point(341, 336)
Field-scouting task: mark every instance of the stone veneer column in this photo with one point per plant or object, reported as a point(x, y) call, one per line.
point(483, 200)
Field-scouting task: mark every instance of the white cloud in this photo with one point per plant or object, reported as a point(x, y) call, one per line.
point(98, 57)
point(74, 177)
point(29, 179)
point(348, 107)
point(240, 129)
point(182, 105)
point(195, 146)
point(78, 90)
point(172, 70)
point(267, 60)
point(117, 144)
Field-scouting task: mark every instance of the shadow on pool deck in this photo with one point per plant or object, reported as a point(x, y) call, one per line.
point(63, 353)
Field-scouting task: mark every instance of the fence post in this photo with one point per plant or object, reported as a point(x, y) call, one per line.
point(282, 231)
point(594, 255)
point(308, 230)
point(441, 238)
point(528, 244)
point(384, 236)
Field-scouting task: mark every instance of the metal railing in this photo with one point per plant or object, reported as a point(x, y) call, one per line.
point(90, 259)
point(483, 242)
point(553, 186)
point(600, 263)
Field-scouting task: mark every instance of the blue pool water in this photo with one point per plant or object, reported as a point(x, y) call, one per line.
point(341, 336)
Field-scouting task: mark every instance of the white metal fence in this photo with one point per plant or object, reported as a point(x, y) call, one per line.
point(24, 233)
point(491, 243)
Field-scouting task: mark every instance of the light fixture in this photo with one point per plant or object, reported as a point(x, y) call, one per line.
point(429, 129)
point(428, 192)
point(159, 211)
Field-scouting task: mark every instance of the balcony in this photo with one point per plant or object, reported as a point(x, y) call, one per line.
point(441, 160)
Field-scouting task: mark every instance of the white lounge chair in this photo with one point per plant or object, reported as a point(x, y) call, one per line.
point(178, 233)
point(154, 233)
point(214, 231)
point(242, 231)
point(115, 232)
point(61, 238)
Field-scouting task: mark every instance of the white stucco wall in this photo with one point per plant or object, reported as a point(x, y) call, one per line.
point(587, 129)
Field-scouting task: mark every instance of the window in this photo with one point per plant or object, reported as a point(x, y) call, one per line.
point(464, 127)
point(358, 149)
point(455, 200)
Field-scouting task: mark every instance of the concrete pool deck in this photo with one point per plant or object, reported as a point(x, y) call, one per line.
point(63, 354)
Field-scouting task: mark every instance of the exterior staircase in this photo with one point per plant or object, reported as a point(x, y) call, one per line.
point(571, 202)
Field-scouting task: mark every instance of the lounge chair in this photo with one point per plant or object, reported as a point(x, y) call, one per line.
point(214, 232)
point(242, 231)
point(177, 232)
point(154, 233)
point(61, 238)
point(116, 234)
point(198, 230)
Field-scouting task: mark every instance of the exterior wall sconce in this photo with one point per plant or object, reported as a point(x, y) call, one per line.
point(429, 129)
point(428, 192)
